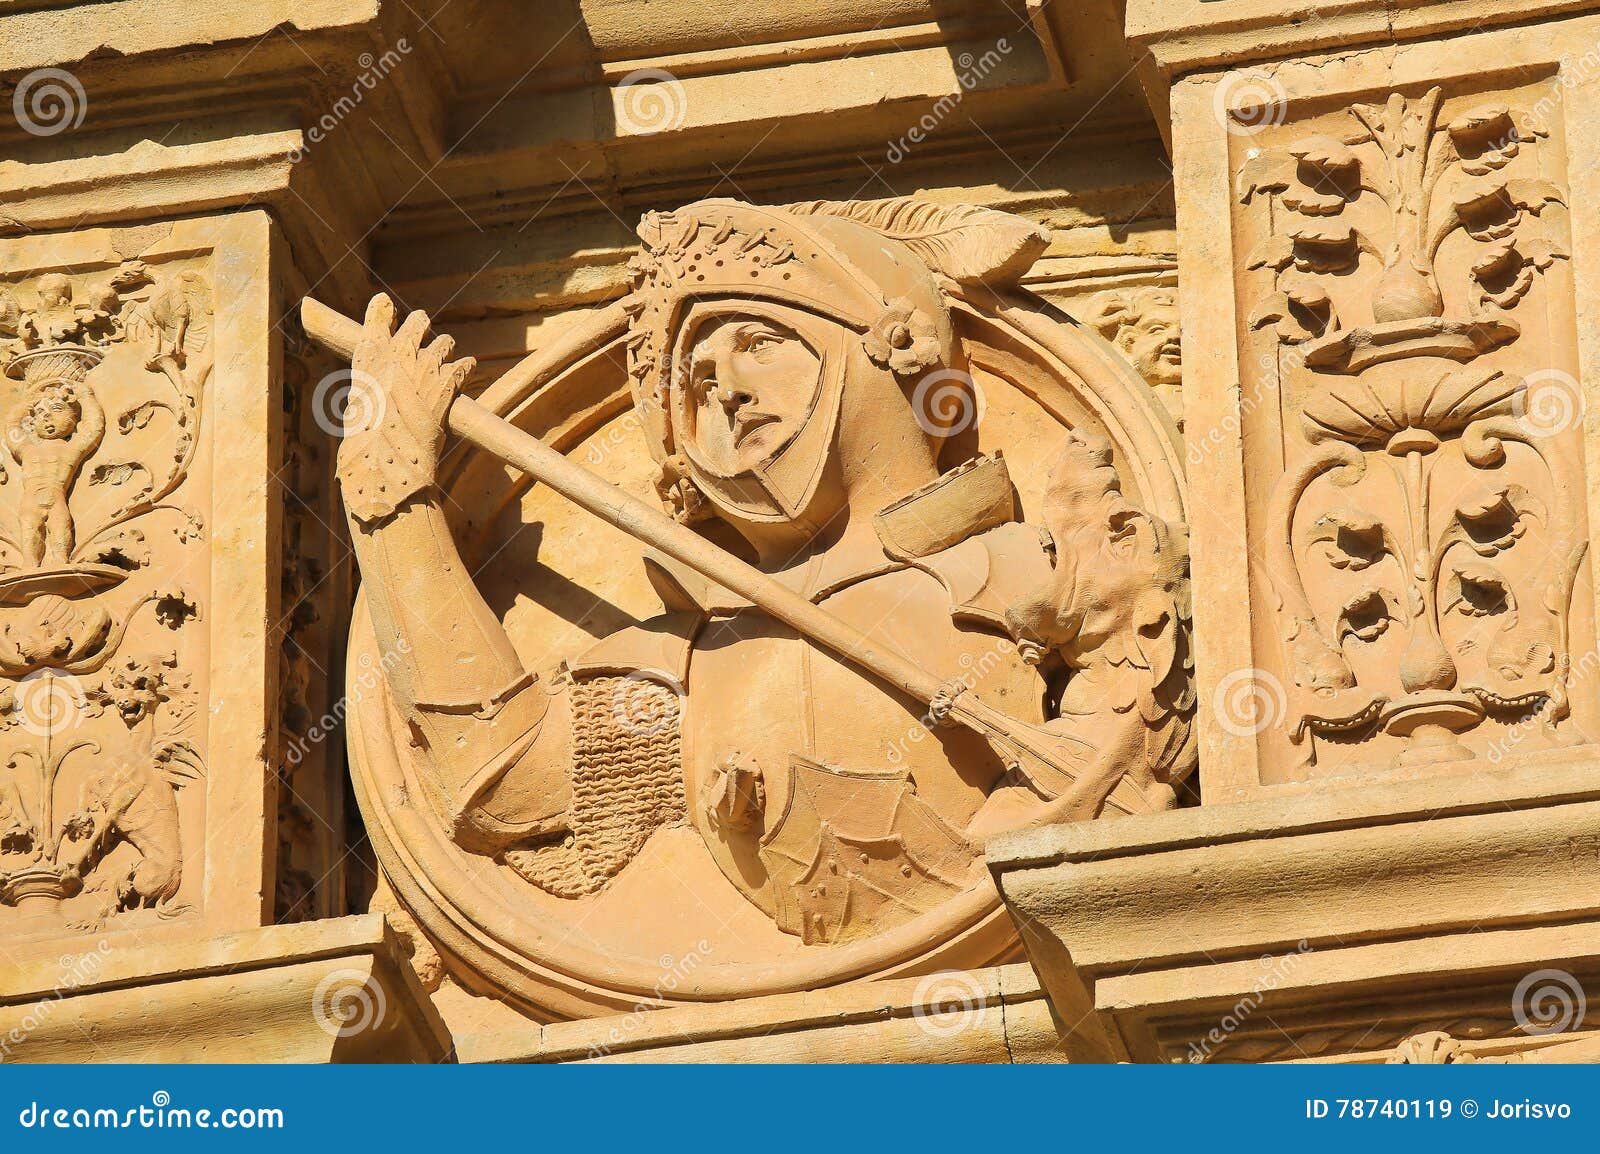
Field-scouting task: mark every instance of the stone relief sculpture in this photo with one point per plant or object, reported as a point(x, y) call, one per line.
point(861, 663)
point(96, 736)
point(1397, 186)
point(1426, 538)
point(1143, 323)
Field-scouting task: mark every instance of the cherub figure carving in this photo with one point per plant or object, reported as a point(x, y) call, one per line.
point(53, 430)
point(1143, 324)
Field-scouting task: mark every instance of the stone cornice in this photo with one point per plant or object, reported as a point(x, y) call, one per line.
point(1185, 35)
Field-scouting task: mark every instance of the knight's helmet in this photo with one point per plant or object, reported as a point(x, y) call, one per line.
point(879, 269)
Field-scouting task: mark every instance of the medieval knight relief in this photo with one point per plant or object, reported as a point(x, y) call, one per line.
point(877, 556)
point(1413, 424)
point(101, 555)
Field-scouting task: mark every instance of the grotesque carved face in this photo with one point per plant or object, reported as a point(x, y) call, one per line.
point(752, 385)
point(1119, 589)
point(55, 416)
point(1150, 341)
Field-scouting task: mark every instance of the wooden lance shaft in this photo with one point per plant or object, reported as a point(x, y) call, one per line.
point(1041, 754)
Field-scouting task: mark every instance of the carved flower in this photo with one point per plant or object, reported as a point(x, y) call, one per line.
point(1324, 154)
point(1433, 1048)
point(1328, 176)
point(1302, 311)
point(1492, 210)
point(1366, 616)
point(1487, 138)
point(1361, 413)
point(1505, 272)
point(1478, 591)
point(1493, 519)
point(1325, 247)
point(1355, 538)
point(904, 340)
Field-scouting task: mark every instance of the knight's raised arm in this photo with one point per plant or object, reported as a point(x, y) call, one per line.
point(451, 668)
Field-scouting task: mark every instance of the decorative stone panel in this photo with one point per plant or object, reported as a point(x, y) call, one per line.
point(138, 580)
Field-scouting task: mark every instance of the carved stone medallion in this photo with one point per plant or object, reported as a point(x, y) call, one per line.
point(856, 400)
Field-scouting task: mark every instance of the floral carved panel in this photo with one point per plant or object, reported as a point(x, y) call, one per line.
point(1411, 426)
point(112, 492)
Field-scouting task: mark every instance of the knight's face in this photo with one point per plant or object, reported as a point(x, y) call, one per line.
point(752, 385)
